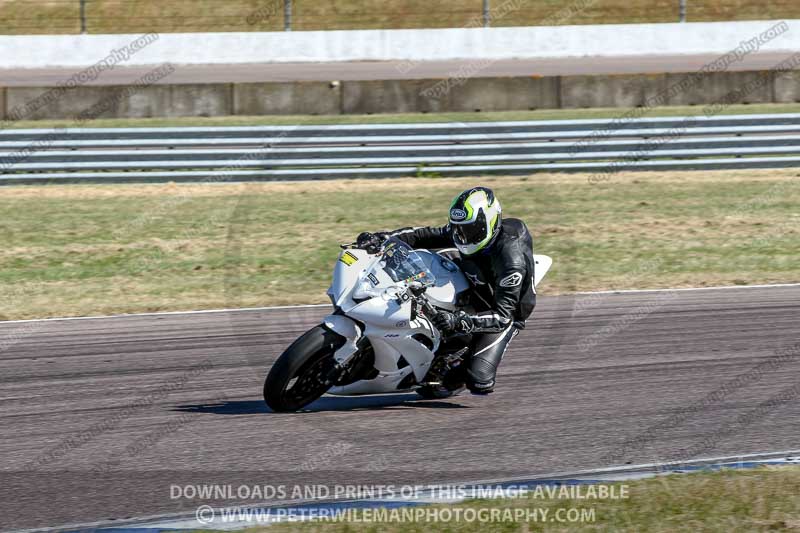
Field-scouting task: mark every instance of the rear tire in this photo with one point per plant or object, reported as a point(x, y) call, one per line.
point(298, 376)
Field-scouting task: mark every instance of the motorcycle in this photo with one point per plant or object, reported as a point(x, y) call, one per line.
point(380, 337)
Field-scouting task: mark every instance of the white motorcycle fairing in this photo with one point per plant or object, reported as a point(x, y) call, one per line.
point(371, 304)
point(369, 299)
point(542, 267)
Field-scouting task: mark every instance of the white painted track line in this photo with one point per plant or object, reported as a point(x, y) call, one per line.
point(307, 306)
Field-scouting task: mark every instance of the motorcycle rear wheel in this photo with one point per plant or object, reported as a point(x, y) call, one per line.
point(299, 376)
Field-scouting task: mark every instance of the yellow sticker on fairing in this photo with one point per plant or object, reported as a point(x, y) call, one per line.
point(348, 259)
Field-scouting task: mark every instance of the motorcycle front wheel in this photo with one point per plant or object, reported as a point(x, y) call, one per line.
point(300, 375)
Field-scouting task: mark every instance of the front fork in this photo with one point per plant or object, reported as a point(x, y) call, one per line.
point(351, 331)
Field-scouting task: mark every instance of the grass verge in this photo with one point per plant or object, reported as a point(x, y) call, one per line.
point(403, 118)
point(135, 16)
point(76, 250)
point(765, 499)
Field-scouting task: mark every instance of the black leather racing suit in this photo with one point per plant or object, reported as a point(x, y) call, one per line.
point(502, 278)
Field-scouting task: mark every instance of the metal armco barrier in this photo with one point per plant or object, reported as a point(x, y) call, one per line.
point(394, 150)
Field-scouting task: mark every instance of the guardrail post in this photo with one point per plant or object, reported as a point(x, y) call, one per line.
point(83, 16)
point(682, 11)
point(287, 15)
point(487, 18)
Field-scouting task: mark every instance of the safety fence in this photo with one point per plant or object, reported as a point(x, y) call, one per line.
point(395, 150)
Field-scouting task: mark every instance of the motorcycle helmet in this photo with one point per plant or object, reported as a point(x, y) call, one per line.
point(475, 217)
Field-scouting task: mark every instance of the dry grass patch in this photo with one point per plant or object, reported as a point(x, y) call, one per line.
point(170, 192)
point(87, 249)
point(763, 499)
point(138, 16)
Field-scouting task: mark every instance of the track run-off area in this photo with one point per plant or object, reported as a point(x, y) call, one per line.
point(101, 418)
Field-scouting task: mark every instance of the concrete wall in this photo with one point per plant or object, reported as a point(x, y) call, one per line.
point(298, 98)
point(117, 101)
point(639, 90)
point(786, 87)
point(610, 91)
point(403, 96)
point(716, 88)
point(476, 94)
point(399, 45)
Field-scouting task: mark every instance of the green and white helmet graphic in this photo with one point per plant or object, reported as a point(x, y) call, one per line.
point(475, 217)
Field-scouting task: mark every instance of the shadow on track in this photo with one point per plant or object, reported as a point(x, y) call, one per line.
point(326, 403)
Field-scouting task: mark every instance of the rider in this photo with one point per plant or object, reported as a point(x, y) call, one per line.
point(497, 258)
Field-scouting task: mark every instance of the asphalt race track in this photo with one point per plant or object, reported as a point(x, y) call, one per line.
point(393, 70)
point(100, 417)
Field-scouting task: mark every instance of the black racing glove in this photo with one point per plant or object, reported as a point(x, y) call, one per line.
point(458, 322)
point(369, 242)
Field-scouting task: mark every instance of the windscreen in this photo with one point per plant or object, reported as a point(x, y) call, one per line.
point(403, 264)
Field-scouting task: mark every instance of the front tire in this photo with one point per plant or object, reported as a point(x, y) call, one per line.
point(300, 374)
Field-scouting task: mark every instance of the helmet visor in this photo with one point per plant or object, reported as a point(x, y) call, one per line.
point(472, 232)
